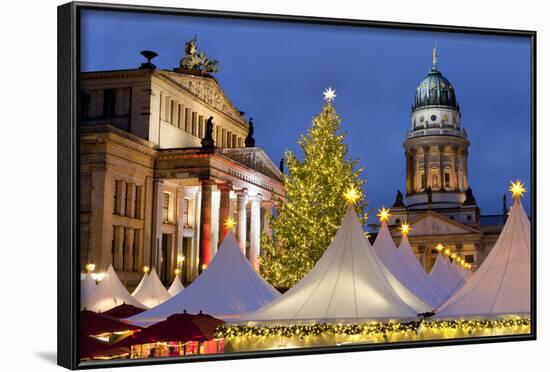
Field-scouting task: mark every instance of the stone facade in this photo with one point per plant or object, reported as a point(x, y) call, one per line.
point(150, 195)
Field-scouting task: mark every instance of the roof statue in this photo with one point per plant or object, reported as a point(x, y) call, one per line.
point(348, 284)
point(249, 141)
point(398, 203)
point(501, 286)
point(207, 141)
point(227, 288)
point(196, 60)
point(150, 290)
point(110, 292)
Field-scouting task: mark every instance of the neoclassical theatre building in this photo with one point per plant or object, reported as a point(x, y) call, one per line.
point(439, 203)
point(166, 160)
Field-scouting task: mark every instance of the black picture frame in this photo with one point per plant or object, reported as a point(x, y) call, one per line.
point(68, 185)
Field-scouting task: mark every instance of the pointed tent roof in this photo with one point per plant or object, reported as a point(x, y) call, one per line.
point(395, 262)
point(110, 292)
point(348, 284)
point(459, 270)
point(150, 291)
point(444, 276)
point(418, 271)
point(502, 284)
point(228, 287)
point(176, 286)
point(87, 286)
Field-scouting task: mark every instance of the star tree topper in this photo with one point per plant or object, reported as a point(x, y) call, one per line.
point(329, 94)
point(517, 189)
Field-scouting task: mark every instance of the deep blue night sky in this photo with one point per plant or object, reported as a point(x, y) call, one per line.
point(275, 72)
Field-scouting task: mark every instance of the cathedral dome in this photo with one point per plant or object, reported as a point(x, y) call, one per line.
point(435, 90)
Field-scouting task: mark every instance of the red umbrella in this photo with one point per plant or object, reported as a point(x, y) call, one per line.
point(91, 347)
point(176, 328)
point(93, 324)
point(123, 311)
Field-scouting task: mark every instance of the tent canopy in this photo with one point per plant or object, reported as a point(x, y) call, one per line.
point(87, 286)
point(501, 286)
point(94, 324)
point(123, 311)
point(347, 285)
point(228, 287)
point(395, 262)
point(110, 292)
point(176, 286)
point(445, 277)
point(416, 268)
point(150, 290)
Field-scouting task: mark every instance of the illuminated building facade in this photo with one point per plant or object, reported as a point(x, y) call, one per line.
point(159, 180)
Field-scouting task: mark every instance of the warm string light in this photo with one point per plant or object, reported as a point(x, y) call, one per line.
point(146, 269)
point(177, 271)
point(459, 260)
point(383, 214)
point(180, 259)
point(367, 329)
point(90, 268)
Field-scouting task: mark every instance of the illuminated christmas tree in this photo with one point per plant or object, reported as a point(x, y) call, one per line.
point(314, 205)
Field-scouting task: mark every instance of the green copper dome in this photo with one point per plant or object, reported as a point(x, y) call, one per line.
point(435, 90)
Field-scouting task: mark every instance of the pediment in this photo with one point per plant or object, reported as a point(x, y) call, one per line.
point(207, 90)
point(254, 158)
point(431, 223)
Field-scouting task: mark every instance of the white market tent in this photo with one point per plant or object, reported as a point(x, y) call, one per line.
point(150, 291)
point(110, 292)
point(501, 285)
point(445, 277)
point(347, 285)
point(459, 270)
point(176, 286)
point(227, 288)
point(395, 262)
point(416, 268)
point(87, 286)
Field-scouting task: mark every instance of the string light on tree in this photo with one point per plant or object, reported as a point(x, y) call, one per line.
point(383, 214)
point(517, 189)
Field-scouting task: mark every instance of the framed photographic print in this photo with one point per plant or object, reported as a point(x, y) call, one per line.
point(236, 185)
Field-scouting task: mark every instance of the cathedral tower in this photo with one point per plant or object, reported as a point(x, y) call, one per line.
point(436, 147)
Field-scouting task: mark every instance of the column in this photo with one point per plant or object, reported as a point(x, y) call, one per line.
point(242, 200)
point(225, 189)
point(180, 223)
point(459, 247)
point(465, 169)
point(426, 165)
point(267, 210)
point(408, 172)
point(118, 247)
point(459, 171)
point(138, 250)
point(455, 163)
point(120, 197)
point(206, 223)
point(441, 167)
point(156, 243)
point(129, 249)
point(193, 269)
point(255, 228)
point(130, 195)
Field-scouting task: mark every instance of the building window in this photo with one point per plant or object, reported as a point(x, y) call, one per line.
point(109, 101)
point(435, 176)
point(447, 180)
point(397, 221)
point(165, 207)
point(85, 100)
point(469, 258)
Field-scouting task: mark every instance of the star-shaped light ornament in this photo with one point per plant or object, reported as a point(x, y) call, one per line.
point(439, 247)
point(517, 189)
point(405, 228)
point(352, 195)
point(230, 223)
point(383, 214)
point(329, 94)
point(146, 269)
